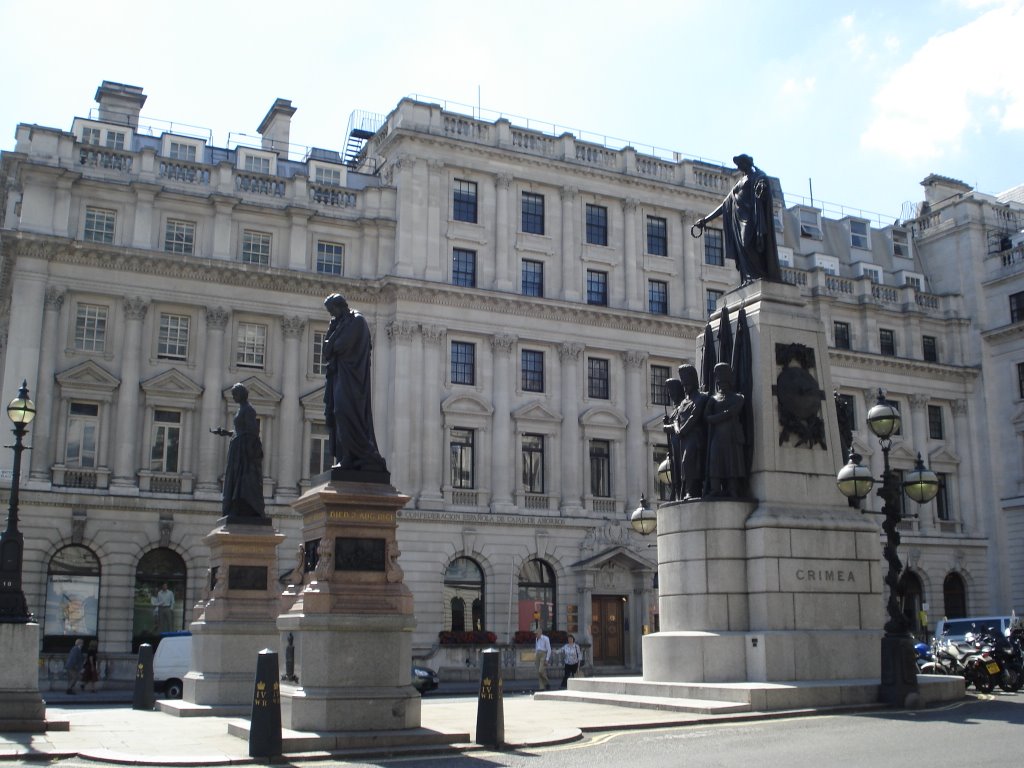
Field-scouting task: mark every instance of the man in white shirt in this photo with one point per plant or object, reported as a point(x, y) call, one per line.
point(165, 609)
point(542, 646)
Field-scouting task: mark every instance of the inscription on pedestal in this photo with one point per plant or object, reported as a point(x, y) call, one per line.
point(823, 576)
point(359, 554)
point(247, 577)
point(362, 516)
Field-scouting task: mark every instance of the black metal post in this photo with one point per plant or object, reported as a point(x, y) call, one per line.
point(899, 670)
point(13, 606)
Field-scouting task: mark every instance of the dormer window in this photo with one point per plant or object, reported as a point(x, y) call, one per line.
point(810, 223)
point(860, 234)
point(900, 244)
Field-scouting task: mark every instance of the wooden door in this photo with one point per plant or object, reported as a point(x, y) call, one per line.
point(606, 629)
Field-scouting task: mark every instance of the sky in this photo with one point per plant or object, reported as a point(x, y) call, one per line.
point(851, 103)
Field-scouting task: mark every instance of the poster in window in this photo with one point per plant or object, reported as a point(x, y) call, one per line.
point(72, 605)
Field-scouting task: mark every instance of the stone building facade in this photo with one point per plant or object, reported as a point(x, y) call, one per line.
point(528, 294)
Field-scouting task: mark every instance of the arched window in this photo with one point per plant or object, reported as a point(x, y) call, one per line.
point(912, 596)
point(463, 583)
point(537, 596)
point(954, 596)
point(72, 598)
point(159, 572)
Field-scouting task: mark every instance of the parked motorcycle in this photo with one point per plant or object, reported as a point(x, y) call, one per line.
point(1008, 655)
point(977, 665)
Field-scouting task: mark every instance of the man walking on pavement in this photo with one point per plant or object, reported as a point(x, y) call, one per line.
point(542, 646)
point(73, 666)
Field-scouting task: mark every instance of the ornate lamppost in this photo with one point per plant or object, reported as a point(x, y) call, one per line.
point(899, 669)
point(13, 607)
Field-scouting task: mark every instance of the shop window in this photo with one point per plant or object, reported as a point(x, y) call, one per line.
point(159, 572)
point(72, 598)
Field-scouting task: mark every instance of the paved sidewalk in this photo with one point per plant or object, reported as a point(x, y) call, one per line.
point(116, 733)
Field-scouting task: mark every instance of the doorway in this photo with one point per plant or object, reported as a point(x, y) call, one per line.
point(608, 629)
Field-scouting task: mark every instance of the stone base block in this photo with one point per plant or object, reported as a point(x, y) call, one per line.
point(21, 706)
point(728, 657)
point(354, 673)
point(376, 708)
point(224, 655)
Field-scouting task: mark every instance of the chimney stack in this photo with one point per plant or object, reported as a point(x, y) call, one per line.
point(120, 103)
point(276, 127)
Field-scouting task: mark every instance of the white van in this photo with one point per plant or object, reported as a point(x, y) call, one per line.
point(171, 662)
point(956, 629)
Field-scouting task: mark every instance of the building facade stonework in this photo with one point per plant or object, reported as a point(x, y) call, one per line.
point(527, 295)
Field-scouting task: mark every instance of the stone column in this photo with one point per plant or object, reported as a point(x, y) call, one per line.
point(126, 453)
point(212, 447)
point(222, 226)
point(437, 219)
point(572, 451)
point(637, 469)
point(404, 434)
point(297, 256)
point(964, 439)
point(632, 271)
point(571, 281)
point(693, 303)
point(41, 455)
point(502, 450)
point(919, 424)
point(142, 235)
point(290, 433)
point(502, 275)
point(432, 455)
point(410, 226)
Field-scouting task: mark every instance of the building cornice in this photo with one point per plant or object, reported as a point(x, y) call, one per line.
point(363, 293)
point(1003, 333)
point(902, 366)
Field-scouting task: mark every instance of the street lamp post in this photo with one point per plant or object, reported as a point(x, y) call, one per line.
point(899, 669)
point(13, 606)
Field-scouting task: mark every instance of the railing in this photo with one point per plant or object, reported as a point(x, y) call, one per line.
point(713, 180)
point(470, 129)
point(1013, 257)
point(463, 498)
point(605, 158)
point(533, 142)
point(258, 184)
point(885, 293)
point(189, 173)
point(97, 157)
point(839, 285)
point(657, 169)
point(333, 197)
point(604, 506)
point(535, 501)
point(165, 484)
point(927, 301)
point(794, 276)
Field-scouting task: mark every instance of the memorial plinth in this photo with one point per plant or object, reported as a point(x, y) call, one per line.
point(348, 615)
point(785, 585)
point(237, 617)
point(21, 706)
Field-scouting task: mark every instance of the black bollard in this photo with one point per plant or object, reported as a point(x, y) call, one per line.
point(265, 725)
point(490, 714)
point(143, 697)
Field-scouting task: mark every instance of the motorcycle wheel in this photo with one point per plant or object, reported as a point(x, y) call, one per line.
point(984, 683)
point(1011, 680)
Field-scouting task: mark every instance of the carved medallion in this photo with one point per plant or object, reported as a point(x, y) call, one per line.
point(799, 396)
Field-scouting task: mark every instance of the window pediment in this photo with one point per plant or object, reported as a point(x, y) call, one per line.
point(601, 416)
point(88, 380)
point(171, 388)
point(535, 412)
point(467, 404)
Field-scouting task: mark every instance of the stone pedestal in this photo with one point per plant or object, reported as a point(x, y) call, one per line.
point(350, 616)
point(784, 586)
point(237, 618)
point(21, 706)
